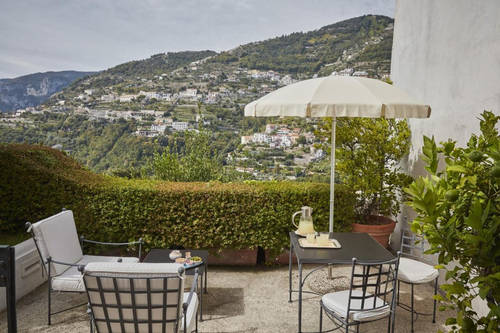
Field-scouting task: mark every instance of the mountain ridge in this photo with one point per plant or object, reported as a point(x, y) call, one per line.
point(364, 43)
point(33, 89)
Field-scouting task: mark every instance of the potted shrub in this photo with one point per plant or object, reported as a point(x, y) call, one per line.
point(458, 212)
point(369, 152)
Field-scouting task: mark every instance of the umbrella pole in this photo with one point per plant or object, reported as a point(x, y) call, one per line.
point(332, 178)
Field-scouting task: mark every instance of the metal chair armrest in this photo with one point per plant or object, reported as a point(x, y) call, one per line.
point(50, 260)
point(140, 242)
point(111, 243)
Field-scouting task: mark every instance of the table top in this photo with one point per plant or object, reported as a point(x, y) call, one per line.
point(354, 245)
point(161, 256)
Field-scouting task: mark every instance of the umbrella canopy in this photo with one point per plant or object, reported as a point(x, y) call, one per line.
point(338, 96)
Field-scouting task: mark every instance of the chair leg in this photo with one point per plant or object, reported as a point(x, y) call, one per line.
point(435, 294)
point(412, 308)
point(357, 328)
point(393, 320)
point(320, 317)
point(399, 285)
point(48, 310)
point(196, 322)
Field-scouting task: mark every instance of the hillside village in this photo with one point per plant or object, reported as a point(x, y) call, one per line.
point(169, 96)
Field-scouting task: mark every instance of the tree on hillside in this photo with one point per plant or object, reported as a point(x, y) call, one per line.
point(196, 161)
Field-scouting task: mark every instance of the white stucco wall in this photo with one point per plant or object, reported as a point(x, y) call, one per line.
point(446, 53)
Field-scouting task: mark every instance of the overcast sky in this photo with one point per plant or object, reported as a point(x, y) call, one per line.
point(45, 35)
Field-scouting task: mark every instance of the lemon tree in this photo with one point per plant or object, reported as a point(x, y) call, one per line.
point(458, 211)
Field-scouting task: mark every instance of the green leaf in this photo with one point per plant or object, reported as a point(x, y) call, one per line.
point(451, 321)
point(475, 218)
point(456, 168)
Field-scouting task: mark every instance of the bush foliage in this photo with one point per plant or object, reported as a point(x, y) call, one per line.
point(458, 209)
point(368, 156)
point(37, 182)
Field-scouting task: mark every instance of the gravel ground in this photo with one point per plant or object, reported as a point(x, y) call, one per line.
point(238, 300)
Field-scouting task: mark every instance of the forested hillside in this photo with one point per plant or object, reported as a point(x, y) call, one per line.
point(117, 120)
point(345, 43)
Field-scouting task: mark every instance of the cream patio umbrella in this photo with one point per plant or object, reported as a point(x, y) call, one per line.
point(338, 96)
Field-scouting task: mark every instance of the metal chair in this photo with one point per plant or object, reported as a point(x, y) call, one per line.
point(60, 252)
point(140, 297)
point(371, 296)
point(414, 271)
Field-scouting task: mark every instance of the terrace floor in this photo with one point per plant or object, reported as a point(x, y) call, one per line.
point(238, 300)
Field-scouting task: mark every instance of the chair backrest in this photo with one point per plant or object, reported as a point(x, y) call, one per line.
point(135, 297)
point(412, 245)
point(56, 237)
point(373, 285)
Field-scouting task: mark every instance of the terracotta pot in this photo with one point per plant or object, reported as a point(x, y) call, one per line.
point(232, 257)
point(380, 231)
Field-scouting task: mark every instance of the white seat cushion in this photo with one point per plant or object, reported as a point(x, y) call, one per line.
point(131, 268)
point(72, 279)
point(191, 312)
point(338, 302)
point(105, 259)
point(414, 271)
point(56, 237)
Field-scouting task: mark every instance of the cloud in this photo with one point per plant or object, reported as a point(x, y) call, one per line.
point(97, 34)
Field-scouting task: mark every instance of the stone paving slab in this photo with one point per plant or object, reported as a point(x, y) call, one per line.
point(238, 300)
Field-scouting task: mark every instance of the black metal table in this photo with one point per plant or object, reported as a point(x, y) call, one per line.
point(162, 256)
point(353, 245)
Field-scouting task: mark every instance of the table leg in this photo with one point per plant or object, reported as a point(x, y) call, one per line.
point(290, 274)
point(201, 298)
point(206, 277)
point(300, 297)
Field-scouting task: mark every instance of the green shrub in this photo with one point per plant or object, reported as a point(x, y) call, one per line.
point(458, 209)
point(368, 156)
point(199, 215)
point(36, 182)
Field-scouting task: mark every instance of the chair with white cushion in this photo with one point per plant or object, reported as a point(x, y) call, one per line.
point(140, 297)
point(61, 254)
point(371, 296)
point(413, 271)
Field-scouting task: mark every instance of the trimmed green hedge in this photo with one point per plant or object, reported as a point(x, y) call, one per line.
point(40, 181)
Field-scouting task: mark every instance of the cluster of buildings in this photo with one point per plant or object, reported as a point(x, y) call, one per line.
point(19, 112)
point(263, 82)
point(188, 95)
point(159, 127)
point(350, 72)
point(270, 75)
point(95, 114)
point(239, 73)
point(278, 136)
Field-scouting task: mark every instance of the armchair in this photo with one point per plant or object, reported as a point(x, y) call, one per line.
point(61, 254)
point(140, 297)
